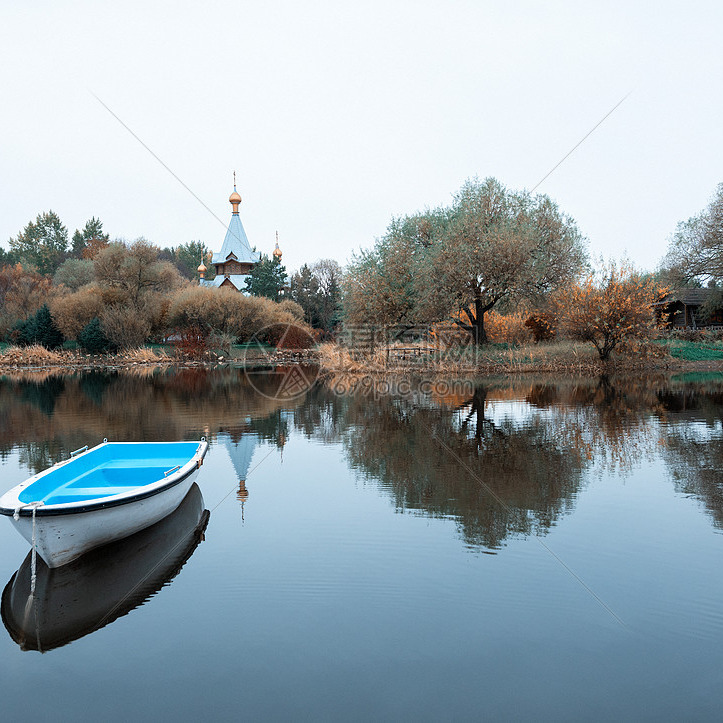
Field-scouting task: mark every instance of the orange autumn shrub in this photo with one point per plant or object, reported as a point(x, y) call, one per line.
point(610, 306)
point(507, 328)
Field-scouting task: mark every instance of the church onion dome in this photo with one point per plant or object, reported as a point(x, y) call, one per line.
point(201, 268)
point(277, 252)
point(234, 199)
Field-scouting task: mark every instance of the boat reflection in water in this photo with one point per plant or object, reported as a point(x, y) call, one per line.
point(89, 593)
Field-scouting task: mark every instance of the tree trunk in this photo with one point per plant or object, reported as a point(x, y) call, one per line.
point(476, 326)
point(480, 334)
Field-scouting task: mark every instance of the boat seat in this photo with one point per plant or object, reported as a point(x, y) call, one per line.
point(101, 478)
point(141, 463)
point(87, 492)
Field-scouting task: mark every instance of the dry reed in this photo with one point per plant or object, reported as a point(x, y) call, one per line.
point(143, 355)
point(35, 355)
point(560, 356)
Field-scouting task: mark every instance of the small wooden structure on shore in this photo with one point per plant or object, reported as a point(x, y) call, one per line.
point(691, 309)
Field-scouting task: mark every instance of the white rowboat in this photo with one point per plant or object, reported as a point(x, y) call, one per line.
point(100, 495)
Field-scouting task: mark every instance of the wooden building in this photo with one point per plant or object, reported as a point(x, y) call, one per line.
point(688, 309)
point(236, 258)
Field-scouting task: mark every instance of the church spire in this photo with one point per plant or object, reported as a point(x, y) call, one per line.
point(234, 199)
point(277, 251)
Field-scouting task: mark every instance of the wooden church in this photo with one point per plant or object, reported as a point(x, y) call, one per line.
point(236, 258)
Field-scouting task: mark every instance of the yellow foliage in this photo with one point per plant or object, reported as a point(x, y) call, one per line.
point(224, 311)
point(143, 355)
point(608, 307)
point(509, 328)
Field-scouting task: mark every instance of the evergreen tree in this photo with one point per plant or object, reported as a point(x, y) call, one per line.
point(43, 244)
point(90, 240)
point(38, 329)
point(92, 338)
point(188, 256)
point(267, 278)
point(8, 258)
point(305, 292)
point(317, 290)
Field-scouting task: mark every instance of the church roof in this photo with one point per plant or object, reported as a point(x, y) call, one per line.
point(238, 280)
point(241, 453)
point(236, 245)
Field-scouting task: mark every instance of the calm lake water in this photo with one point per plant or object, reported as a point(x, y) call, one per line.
point(540, 548)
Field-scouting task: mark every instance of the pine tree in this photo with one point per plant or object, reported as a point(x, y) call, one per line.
point(39, 329)
point(305, 292)
point(92, 339)
point(42, 244)
point(267, 278)
point(188, 256)
point(90, 240)
point(316, 289)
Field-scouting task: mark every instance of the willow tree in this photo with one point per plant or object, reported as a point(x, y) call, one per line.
point(498, 245)
point(132, 271)
point(133, 282)
point(492, 245)
point(385, 286)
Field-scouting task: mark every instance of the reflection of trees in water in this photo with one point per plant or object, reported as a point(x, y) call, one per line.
point(531, 440)
point(61, 413)
point(611, 423)
point(532, 479)
point(43, 395)
point(693, 447)
point(94, 385)
point(322, 415)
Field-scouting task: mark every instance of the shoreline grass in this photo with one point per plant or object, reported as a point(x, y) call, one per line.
point(554, 357)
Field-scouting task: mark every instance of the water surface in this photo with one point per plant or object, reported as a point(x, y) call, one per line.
point(542, 548)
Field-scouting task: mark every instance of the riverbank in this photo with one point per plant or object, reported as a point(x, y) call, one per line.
point(38, 358)
point(559, 357)
point(333, 360)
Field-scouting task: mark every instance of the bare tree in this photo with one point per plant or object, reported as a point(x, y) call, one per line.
point(695, 253)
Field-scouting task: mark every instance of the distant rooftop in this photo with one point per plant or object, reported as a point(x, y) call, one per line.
point(690, 297)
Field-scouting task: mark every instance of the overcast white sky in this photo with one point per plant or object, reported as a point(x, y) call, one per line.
point(337, 116)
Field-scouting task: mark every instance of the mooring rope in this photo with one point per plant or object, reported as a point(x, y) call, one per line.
point(33, 570)
point(34, 554)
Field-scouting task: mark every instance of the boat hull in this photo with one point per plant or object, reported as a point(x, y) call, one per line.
point(101, 586)
point(60, 539)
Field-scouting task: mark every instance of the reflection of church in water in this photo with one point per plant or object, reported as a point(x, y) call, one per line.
point(241, 440)
point(240, 447)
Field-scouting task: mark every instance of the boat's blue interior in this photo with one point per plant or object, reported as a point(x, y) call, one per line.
point(107, 470)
